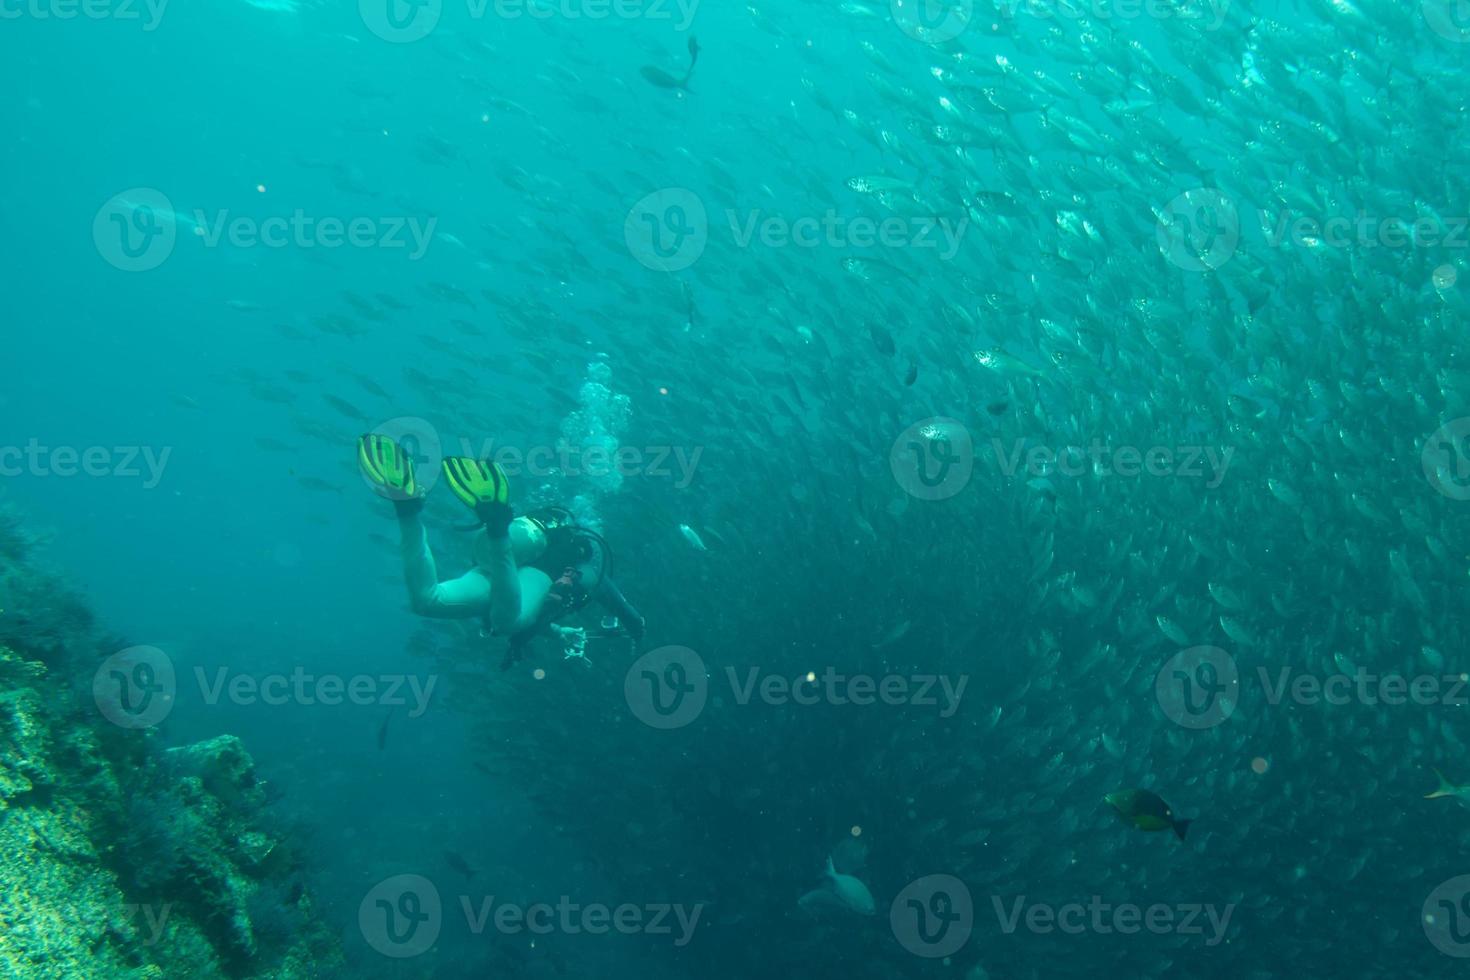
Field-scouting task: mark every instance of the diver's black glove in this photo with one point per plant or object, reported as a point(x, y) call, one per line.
point(408, 507)
point(636, 626)
point(495, 516)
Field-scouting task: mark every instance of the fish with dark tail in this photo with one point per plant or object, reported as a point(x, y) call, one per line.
point(383, 730)
point(661, 78)
point(458, 864)
point(1146, 811)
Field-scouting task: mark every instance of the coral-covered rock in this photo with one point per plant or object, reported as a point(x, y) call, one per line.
point(117, 859)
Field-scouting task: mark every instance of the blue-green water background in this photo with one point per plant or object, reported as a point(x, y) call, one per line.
point(230, 561)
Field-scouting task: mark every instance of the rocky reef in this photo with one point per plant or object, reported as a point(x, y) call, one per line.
point(122, 858)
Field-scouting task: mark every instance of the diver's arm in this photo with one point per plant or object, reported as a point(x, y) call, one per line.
point(612, 599)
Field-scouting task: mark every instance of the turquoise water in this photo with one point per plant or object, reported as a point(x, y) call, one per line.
point(990, 408)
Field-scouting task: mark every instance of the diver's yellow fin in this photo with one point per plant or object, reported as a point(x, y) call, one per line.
point(476, 481)
point(386, 466)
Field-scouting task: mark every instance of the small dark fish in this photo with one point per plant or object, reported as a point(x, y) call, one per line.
point(912, 376)
point(483, 768)
point(882, 339)
point(313, 483)
point(659, 77)
point(383, 730)
point(1144, 810)
point(663, 79)
point(452, 294)
point(389, 302)
point(998, 407)
point(346, 408)
point(458, 864)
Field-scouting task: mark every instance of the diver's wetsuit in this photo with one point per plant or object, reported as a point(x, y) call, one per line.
point(471, 595)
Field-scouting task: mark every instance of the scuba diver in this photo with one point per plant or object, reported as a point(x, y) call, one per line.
point(529, 571)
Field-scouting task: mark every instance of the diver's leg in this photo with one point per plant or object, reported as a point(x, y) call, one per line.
point(457, 598)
